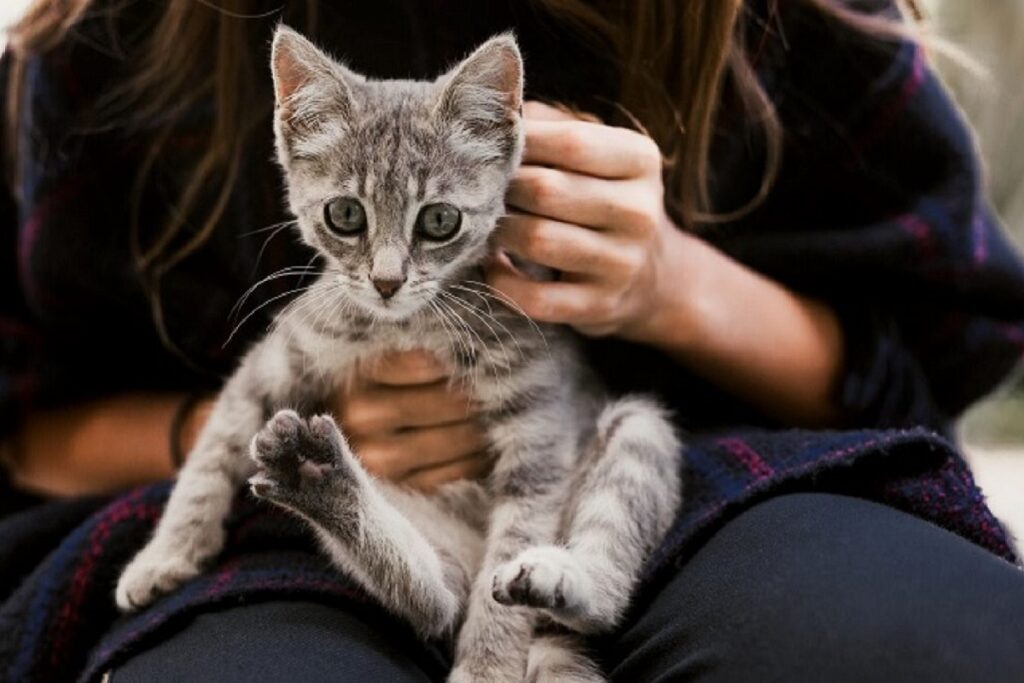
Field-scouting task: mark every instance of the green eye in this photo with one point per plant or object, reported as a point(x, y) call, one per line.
point(345, 216)
point(438, 222)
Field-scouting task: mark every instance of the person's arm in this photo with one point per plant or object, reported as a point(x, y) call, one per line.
point(780, 351)
point(100, 446)
point(51, 440)
point(400, 415)
point(591, 203)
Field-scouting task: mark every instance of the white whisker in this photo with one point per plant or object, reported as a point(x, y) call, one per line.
point(290, 271)
point(475, 335)
point(464, 346)
point(273, 226)
point(260, 307)
point(489, 315)
point(472, 311)
point(504, 299)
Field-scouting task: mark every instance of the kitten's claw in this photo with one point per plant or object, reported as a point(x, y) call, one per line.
point(546, 577)
point(297, 459)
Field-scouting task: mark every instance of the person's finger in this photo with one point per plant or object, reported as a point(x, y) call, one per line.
point(590, 148)
point(381, 408)
point(395, 455)
point(563, 246)
point(476, 466)
point(581, 199)
point(405, 367)
point(554, 302)
point(542, 111)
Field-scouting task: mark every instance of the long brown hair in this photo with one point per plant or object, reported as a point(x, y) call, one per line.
point(676, 60)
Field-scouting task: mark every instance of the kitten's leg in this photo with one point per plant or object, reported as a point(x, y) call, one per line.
point(191, 529)
point(307, 467)
point(467, 500)
point(561, 658)
point(627, 495)
point(494, 641)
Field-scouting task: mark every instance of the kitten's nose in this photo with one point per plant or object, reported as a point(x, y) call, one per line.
point(387, 287)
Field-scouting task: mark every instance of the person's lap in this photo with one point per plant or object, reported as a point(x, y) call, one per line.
point(829, 588)
point(799, 587)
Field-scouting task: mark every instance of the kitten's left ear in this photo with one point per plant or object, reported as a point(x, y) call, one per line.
point(486, 89)
point(309, 86)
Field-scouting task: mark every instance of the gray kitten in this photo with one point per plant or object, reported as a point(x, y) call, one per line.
point(399, 184)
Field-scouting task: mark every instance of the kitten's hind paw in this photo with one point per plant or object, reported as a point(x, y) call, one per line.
point(300, 461)
point(544, 576)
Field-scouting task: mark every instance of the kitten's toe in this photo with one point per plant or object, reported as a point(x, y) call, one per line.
point(545, 577)
point(279, 440)
point(266, 486)
point(331, 444)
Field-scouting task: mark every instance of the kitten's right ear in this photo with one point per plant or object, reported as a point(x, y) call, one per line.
point(486, 89)
point(310, 88)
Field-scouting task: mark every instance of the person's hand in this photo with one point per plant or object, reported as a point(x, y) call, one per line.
point(406, 424)
point(588, 201)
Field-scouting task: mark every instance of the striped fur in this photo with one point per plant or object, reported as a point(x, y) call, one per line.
point(583, 487)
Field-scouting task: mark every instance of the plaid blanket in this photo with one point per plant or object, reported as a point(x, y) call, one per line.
point(61, 623)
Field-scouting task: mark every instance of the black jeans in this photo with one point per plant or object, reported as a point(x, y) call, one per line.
point(803, 587)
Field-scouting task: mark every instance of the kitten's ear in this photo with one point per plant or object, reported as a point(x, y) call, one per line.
point(486, 89)
point(309, 87)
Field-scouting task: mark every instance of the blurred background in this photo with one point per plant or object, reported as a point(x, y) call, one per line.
point(991, 34)
point(989, 86)
point(10, 10)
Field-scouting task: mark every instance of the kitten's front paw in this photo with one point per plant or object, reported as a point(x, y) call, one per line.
point(545, 577)
point(300, 461)
point(153, 572)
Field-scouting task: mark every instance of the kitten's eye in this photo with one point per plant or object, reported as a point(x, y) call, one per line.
point(345, 216)
point(438, 222)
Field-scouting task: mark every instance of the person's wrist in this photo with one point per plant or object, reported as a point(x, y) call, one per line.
point(677, 305)
point(186, 425)
point(196, 420)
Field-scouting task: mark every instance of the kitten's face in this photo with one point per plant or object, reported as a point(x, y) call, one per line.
point(397, 183)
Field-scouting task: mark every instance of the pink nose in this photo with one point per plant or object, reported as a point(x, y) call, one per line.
point(387, 288)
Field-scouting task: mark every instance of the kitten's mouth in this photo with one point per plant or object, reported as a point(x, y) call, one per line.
point(392, 309)
point(409, 300)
